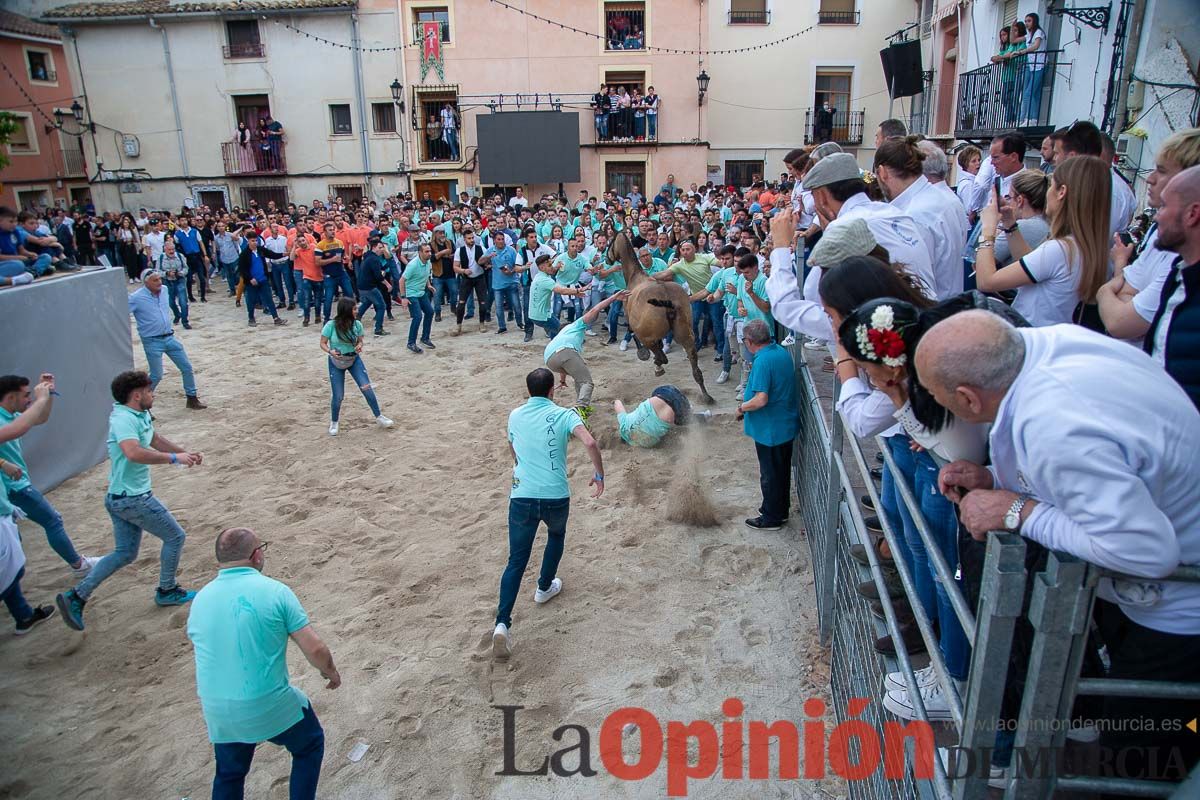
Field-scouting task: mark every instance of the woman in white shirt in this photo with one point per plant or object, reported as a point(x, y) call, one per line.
point(1067, 269)
point(1035, 63)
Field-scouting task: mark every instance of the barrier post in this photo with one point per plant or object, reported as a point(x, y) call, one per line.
point(1001, 596)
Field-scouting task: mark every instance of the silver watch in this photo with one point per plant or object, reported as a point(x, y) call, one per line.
point(1012, 517)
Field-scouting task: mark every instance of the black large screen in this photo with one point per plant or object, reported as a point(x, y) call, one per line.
point(521, 147)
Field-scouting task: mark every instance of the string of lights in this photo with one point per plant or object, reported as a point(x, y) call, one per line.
point(565, 27)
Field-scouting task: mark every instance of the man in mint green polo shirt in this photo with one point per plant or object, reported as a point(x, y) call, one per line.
point(538, 435)
point(132, 447)
point(718, 292)
point(20, 412)
point(570, 266)
point(239, 626)
point(564, 354)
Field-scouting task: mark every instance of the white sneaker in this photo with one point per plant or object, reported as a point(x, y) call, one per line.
point(738, 389)
point(899, 703)
point(624, 345)
point(666, 348)
point(383, 421)
point(555, 587)
point(1085, 732)
point(997, 778)
point(85, 565)
point(814, 344)
point(724, 376)
point(788, 341)
point(590, 332)
point(333, 429)
point(895, 680)
point(501, 642)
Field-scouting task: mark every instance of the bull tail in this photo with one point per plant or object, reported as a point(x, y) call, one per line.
point(666, 304)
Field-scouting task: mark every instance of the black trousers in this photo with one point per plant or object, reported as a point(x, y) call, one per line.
point(1153, 741)
point(466, 285)
point(775, 478)
point(197, 270)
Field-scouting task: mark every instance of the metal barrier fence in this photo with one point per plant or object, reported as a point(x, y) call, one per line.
point(1059, 610)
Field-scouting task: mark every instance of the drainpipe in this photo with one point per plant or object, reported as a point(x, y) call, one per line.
point(362, 103)
point(174, 98)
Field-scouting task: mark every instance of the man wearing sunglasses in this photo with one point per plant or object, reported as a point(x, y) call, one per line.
point(239, 625)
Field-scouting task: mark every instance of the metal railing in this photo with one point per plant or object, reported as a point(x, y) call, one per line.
point(74, 162)
point(255, 157)
point(838, 17)
point(44, 75)
point(749, 17)
point(1006, 96)
point(244, 50)
point(626, 128)
point(1055, 598)
point(846, 127)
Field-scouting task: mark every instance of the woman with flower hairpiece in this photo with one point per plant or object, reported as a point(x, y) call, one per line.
point(880, 336)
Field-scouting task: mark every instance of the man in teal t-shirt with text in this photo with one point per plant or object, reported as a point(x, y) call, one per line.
point(772, 421)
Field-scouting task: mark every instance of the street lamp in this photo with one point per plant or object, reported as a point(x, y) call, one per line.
point(77, 115)
point(702, 82)
point(398, 94)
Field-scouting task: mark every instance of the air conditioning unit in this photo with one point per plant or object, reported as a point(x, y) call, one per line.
point(1129, 150)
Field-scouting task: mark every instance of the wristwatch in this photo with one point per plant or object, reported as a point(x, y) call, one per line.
point(1012, 517)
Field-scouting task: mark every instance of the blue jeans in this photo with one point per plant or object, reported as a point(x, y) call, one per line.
point(639, 126)
point(260, 295)
point(331, 283)
point(305, 741)
point(372, 298)
point(715, 314)
point(916, 559)
point(444, 289)
point(511, 296)
point(313, 297)
point(177, 298)
point(229, 269)
point(156, 347)
point(614, 314)
point(12, 268)
point(337, 382)
point(38, 509)
point(130, 516)
point(574, 306)
point(422, 312)
point(283, 281)
point(601, 121)
point(652, 126)
point(551, 326)
point(17, 605)
point(524, 516)
point(450, 137)
point(943, 527)
point(1031, 94)
point(301, 295)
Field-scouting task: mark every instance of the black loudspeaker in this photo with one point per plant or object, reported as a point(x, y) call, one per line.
point(902, 68)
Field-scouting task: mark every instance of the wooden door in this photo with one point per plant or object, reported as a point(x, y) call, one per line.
point(438, 190)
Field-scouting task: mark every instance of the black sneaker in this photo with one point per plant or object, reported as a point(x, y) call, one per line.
point(761, 523)
point(40, 614)
point(529, 336)
point(877, 474)
point(910, 636)
point(428, 344)
point(187, 326)
point(382, 333)
point(873, 524)
point(867, 503)
point(415, 349)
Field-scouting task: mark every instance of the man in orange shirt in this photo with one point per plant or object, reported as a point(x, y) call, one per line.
point(304, 261)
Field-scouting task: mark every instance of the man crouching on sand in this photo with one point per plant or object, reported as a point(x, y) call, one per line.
point(538, 434)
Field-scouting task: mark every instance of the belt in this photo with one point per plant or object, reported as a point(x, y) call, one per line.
point(161, 335)
point(124, 496)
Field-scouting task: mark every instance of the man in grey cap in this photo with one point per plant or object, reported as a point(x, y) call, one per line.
point(839, 193)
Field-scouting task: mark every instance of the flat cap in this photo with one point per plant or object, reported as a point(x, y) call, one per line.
point(840, 241)
point(832, 169)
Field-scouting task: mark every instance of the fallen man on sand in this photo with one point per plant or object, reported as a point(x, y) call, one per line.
point(654, 417)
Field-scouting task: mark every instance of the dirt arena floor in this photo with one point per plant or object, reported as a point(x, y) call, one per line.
point(394, 541)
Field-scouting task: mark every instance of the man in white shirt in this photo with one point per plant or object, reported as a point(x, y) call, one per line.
point(153, 240)
point(518, 200)
point(450, 129)
point(939, 215)
point(840, 195)
point(1006, 157)
point(1093, 452)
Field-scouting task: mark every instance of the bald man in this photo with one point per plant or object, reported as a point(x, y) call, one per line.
point(239, 625)
point(1093, 453)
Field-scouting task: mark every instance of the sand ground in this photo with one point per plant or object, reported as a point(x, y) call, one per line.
point(394, 541)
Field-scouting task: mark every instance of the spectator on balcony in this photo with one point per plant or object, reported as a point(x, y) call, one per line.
point(245, 155)
point(650, 101)
point(638, 107)
point(889, 129)
point(450, 130)
point(1083, 138)
point(1121, 494)
point(273, 133)
point(1130, 301)
point(433, 137)
point(1012, 44)
point(1028, 227)
point(823, 123)
point(1033, 52)
point(634, 39)
point(939, 215)
point(1067, 269)
point(624, 114)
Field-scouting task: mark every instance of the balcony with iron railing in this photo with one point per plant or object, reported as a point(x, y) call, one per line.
point(73, 162)
point(625, 128)
point(244, 50)
point(838, 17)
point(845, 127)
point(749, 17)
point(254, 157)
point(1006, 96)
point(43, 75)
